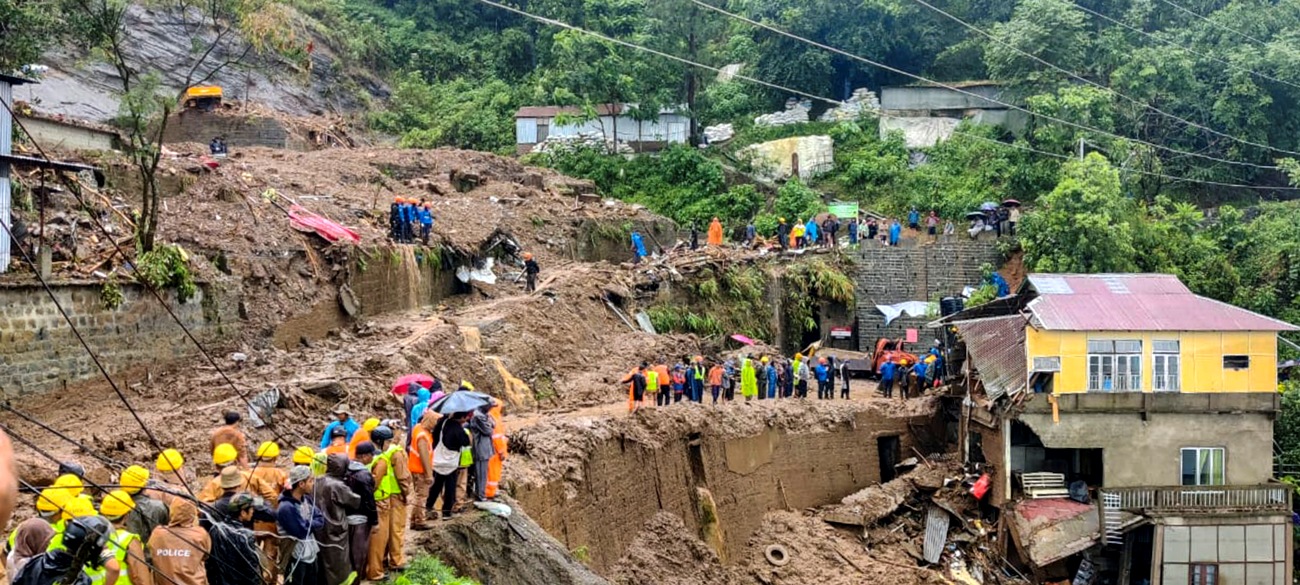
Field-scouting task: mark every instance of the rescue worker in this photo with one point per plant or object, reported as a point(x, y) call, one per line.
point(797, 235)
point(343, 418)
point(500, 448)
point(822, 372)
point(902, 378)
point(233, 557)
point(679, 382)
point(69, 484)
point(223, 457)
point(418, 408)
point(232, 435)
point(773, 378)
point(919, 372)
point(638, 247)
point(451, 438)
point(715, 232)
point(635, 381)
point(664, 396)
point(651, 383)
point(420, 461)
point(696, 377)
point(146, 512)
point(275, 477)
point(392, 494)
point(715, 381)
point(302, 456)
point(72, 509)
point(297, 517)
point(395, 219)
point(170, 481)
point(361, 436)
point(531, 270)
point(783, 234)
point(748, 379)
point(363, 519)
point(481, 427)
point(425, 215)
point(338, 442)
point(334, 498)
point(887, 371)
point(85, 538)
point(33, 535)
point(179, 550)
point(128, 562)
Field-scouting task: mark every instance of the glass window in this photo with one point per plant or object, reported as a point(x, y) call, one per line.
point(1166, 372)
point(1202, 574)
point(1236, 362)
point(1164, 345)
point(1203, 466)
point(1115, 365)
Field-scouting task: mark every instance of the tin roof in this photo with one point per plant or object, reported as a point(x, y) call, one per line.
point(1134, 302)
point(996, 346)
point(12, 80)
point(601, 110)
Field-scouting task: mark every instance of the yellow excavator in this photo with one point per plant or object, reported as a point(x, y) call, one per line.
point(203, 97)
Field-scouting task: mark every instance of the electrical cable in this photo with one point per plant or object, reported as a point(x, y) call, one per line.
point(1215, 24)
point(1185, 49)
point(792, 91)
point(959, 90)
point(76, 191)
point(108, 461)
point(1105, 88)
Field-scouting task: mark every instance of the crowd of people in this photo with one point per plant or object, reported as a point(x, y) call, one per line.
point(761, 378)
point(909, 375)
point(334, 513)
point(408, 216)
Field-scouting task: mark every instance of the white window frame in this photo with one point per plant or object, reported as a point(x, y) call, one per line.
point(1047, 364)
point(1121, 359)
point(1166, 356)
point(1201, 454)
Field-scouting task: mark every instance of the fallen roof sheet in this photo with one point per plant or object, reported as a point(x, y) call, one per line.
point(1135, 302)
point(996, 346)
point(1050, 530)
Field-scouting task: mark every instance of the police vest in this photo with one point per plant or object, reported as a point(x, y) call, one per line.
point(118, 543)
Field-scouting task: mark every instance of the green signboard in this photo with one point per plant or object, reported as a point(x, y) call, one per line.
point(843, 209)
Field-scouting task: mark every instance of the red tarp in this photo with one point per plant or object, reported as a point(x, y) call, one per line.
point(306, 221)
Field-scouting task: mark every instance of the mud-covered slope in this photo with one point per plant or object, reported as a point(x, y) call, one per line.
point(159, 40)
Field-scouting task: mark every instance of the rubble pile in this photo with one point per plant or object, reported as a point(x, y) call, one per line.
point(862, 100)
point(796, 112)
point(580, 141)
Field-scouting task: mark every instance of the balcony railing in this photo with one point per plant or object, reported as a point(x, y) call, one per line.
point(1126, 383)
point(1203, 499)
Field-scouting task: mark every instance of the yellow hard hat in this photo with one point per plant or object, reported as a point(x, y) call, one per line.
point(370, 424)
point(303, 455)
point(466, 384)
point(69, 484)
point(78, 507)
point(134, 479)
point(224, 454)
point(51, 500)
point(116, 503)
point(169, 460)
point(268, 450)
point(798, 356)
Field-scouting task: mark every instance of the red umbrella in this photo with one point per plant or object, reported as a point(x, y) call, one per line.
point(403, 383)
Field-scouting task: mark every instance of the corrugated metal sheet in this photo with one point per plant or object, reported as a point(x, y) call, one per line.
point(6, 134)
point(526, 131)
point(996, 347)
point(1135, 302)
point(936, 533)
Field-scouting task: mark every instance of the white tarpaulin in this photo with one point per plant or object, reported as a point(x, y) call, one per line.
point(484, 274)
point(896, 310)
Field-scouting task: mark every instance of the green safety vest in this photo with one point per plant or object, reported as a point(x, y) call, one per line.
point(56, 542)
point(387, 486)
point(699, 372)
point(652, 381)
point(118, 543)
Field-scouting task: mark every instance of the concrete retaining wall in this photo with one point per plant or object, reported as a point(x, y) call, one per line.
point(238, 129)
point(888, 275)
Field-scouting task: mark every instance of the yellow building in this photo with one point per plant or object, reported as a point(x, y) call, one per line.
point(1157, 402)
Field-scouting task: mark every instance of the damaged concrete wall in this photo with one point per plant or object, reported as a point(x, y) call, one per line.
point(1148, 453)
point(888, 275)
point(39, 353)
point(625, 483)
point(1254, 550)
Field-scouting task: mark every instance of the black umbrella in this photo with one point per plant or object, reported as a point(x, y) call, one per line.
point(1011, 203)
point(460, 401)
point(975, 214)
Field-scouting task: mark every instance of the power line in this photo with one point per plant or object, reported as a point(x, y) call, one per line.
point(827, 100)
point(108, 461)
point(76, 192)
point(1215, 24)
point(953, 88)
point(1105, 88)
point(1186, 50)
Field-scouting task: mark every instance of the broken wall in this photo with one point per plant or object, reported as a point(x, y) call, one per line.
point(624, 483)
point(1138, 452)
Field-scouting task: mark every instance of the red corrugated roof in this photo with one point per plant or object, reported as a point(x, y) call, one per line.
point(1135, 302)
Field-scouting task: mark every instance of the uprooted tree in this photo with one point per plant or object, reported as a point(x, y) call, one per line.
point(146, 105)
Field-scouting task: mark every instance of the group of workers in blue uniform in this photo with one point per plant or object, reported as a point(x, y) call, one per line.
point(910, 376)
point(405, 215)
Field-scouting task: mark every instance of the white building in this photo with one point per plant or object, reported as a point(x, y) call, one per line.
point(534, 124)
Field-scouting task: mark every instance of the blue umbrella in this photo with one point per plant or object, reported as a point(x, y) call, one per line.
point(460, 401)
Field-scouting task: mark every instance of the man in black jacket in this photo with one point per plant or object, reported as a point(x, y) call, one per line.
point(365, 516)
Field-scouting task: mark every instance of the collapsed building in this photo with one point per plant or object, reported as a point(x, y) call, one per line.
point(1126, 427)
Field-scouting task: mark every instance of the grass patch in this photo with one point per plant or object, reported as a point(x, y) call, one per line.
point(428, 570)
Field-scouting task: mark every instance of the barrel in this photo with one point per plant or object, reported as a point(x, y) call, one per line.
point(950, 305)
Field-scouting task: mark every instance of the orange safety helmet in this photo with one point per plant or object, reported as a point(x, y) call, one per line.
point(398, 200)
point(528, 255)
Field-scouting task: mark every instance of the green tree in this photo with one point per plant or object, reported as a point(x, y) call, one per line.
point(460, 114)
point(1052, 30)
point(1083, 224)
point(27, 27)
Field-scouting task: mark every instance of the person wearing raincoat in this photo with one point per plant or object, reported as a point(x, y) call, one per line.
point(748, 379)
point(715, 232)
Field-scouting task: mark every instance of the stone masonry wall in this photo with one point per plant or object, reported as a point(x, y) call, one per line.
point(39, 353)
point(239, 130)
point(888, 275)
